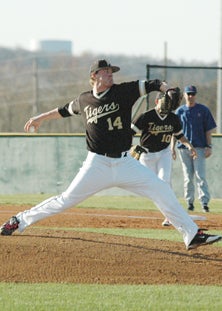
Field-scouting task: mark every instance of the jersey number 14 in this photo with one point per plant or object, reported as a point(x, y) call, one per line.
point(116, 123)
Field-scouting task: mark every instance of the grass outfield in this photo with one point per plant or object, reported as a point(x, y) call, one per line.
point(79, 297)
point(105, 202)
point(94, 297)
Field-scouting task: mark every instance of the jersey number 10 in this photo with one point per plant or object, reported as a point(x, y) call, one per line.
point(166, 138)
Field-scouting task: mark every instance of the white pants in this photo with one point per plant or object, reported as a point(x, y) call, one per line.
point(159, 162)
point(99, 172)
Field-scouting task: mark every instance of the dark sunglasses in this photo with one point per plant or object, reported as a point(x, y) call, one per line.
point(191, 94)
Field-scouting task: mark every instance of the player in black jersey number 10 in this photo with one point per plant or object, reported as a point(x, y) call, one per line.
point(157, 126)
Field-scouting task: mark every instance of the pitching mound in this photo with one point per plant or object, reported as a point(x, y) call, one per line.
point(47, 253)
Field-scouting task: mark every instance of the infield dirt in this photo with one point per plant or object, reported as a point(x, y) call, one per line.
point(41, 254)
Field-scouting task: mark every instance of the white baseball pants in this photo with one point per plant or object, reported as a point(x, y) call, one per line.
point(159, 162)
point(100, 172)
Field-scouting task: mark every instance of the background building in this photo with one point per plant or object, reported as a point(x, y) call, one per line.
point(56, 46)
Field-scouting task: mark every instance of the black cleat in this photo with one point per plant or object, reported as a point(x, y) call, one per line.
point(206, 209)
point(190, 207)
point(166, 223)
point(10, 226)
point(203, 239)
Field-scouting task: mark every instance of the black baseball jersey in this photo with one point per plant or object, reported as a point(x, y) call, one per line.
point(157, 130)
point(107, 116)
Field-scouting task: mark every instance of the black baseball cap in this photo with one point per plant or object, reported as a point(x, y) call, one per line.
point(102, 64)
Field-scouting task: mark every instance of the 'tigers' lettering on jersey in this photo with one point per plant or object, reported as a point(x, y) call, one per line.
point(156, 129)
point(92, 115)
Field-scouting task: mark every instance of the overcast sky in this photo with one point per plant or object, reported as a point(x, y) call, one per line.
point(190, 28)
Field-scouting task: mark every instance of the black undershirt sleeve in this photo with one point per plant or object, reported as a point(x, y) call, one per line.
point(178, 136)
point(153, 85)
point(64, 111)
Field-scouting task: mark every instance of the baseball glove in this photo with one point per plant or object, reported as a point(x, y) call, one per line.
point(136, 151)
point(171, 100)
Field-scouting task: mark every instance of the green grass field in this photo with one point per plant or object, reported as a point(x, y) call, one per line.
point(80, 297)
point(94, 297)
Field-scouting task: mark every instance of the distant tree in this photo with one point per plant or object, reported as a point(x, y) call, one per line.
point(31, 83)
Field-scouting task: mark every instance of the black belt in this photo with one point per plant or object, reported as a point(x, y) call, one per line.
point(114, 155)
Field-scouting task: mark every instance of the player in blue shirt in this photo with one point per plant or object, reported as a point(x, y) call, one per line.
point(198, 125)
